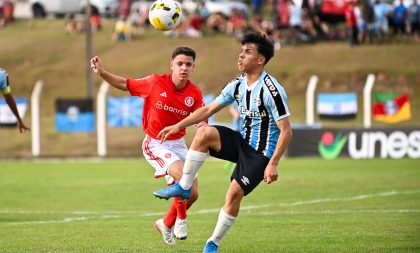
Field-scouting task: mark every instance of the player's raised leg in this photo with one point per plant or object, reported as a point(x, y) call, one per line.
point(205, 138)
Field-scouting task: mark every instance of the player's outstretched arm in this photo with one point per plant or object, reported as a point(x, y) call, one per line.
point(194, 118)
point(12, 105)
point(270, 173)
point(114, 80)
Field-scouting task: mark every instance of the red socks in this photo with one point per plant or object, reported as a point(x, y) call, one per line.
point(178, 209)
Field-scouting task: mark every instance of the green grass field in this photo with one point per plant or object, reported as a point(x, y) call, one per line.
point(107, 206)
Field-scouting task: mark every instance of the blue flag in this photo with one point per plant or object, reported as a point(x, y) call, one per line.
point(74, 115)
point(124, 111)
point(337, 105)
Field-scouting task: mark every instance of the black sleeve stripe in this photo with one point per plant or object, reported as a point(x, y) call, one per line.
point(265, 121)
point(236, 93)
point(275, 94)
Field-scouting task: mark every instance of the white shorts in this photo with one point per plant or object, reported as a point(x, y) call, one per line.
point(162, 155)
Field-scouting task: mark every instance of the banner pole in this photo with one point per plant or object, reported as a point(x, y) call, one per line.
point(35, 111)
point(367, 104)
point(101, 124)
point(310, 94)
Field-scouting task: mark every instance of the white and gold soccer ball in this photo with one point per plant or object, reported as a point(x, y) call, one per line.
point(165, 15)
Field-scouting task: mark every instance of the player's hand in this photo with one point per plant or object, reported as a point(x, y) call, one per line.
point(96, 65)
point(201, 124)
point(166, 132)
point(270, 174)
point(22, 127)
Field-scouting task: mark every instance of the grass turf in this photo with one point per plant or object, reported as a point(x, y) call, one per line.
point(107, 206)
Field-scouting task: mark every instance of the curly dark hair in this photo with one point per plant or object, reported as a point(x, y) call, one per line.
point(264, 46)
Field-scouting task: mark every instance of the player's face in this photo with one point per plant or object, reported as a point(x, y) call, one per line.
point(249, 58)
point(181, 67)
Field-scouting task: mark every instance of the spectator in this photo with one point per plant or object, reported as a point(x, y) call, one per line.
point(191, 27)
point(414, 17)
point(216, 22)
point(280, 21)
point(70, 24)
point(6, 15)
point(138, 20)
point(124, 9)
point(351, 23)
point(257, 7)
point(259, 25)
point(236, 24)
point(380, 25)
point(295, 21)
point(399, 18)
point(122, 30)
point(95, 20)
point(360, 21)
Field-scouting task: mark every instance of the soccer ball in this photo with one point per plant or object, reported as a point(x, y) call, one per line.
point(165, 15)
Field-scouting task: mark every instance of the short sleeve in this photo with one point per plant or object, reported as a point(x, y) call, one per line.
point(141, 87)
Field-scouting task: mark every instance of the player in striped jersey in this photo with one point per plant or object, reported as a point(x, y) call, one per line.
point(256, 150)
point(7, 93)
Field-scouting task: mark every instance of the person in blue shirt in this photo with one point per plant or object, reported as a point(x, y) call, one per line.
point(256, 149)
point(399, 18)
point(414, 17)
point(5, 90)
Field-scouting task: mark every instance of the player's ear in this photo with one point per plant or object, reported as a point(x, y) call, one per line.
point(261, 60)
point(172, 62)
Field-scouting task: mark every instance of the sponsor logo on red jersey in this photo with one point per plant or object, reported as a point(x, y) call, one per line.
point(165, 107)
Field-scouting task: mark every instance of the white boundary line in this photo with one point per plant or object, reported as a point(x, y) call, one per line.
point(125, 214)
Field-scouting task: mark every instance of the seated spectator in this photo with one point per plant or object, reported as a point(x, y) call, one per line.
point(70, 25)
point(138, 20)
point(122, 30)
point(95, 20)
point(259, 25)
point(6, 15)
point(236, 24)
point(190, 27)
point(216, 22)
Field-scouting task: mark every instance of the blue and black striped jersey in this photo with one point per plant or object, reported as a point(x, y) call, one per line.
point(260, 106)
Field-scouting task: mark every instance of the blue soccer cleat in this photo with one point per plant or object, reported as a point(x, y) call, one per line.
point(174, 190)
point(210, 247)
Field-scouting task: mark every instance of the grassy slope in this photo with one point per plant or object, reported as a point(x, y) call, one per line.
point(32, 50)
point(317, 206)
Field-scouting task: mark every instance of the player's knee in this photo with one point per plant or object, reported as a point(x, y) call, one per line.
point(203, 134)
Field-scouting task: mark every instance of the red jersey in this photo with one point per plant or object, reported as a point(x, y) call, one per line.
point(164, 104)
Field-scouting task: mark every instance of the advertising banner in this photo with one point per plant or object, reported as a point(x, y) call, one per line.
point(124, 111)
point(74, 115)
point(359, 143)
point(7, 118)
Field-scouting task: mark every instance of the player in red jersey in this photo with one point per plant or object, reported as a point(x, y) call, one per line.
point(168, 99)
